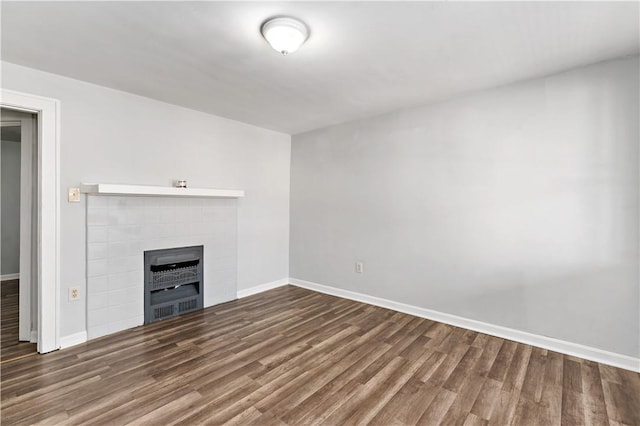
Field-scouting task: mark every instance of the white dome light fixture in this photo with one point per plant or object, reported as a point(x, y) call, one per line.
point(285, 34)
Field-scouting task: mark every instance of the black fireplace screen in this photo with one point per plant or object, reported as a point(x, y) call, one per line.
point(173, 282)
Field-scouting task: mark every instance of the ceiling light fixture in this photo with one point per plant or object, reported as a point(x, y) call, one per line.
point(285, 34)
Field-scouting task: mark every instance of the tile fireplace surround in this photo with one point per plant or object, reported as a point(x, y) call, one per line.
point(121, 228)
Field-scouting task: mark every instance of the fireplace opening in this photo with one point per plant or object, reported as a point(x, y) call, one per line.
point(173, 282)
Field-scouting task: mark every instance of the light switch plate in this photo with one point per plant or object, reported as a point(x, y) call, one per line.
point(74, 195)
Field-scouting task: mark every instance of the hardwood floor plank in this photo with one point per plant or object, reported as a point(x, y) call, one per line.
point(505, 408)
point(460, 374)
point(517, 370)
point(534, 376)
point(353, 406)
point(595, 409)
point(490, 350)
point(572, 375)
point(329, 395)
point(473, 420)
point(485, 403)
point(438, 408)
point(572, 408)
point(169, 411)
point(502, 361)
point(407, 405)
point(465, 398)
point(550, 407)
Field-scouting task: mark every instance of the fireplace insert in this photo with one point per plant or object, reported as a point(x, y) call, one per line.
point(173, 282)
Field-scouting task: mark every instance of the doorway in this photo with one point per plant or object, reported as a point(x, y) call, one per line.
point(18, 267)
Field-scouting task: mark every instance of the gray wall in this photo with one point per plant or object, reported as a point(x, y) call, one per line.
point(10, 255)
point(516, 206)
point(115, 137)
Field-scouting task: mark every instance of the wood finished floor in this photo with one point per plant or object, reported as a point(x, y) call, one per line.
point(10, 347)
point(291, 356)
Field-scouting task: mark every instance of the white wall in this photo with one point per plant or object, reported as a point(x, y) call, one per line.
point(10, 250)
point(115, 137)
point(516, 206)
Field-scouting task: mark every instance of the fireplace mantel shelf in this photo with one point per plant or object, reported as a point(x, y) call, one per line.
point(158, 191)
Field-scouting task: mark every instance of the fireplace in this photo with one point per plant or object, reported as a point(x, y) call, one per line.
point(120, 229)
point(173, 282)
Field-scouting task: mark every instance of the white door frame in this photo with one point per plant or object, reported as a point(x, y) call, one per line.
point(48, 111)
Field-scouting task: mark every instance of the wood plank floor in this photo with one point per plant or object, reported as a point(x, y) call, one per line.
point(10, 347)
point(291, 356)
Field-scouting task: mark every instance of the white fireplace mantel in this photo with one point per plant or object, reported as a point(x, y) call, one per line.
point(162, 191)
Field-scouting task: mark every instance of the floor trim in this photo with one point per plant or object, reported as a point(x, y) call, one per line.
point(7, 277)
point(73, 339)
point(568, 348)
point(262, 287)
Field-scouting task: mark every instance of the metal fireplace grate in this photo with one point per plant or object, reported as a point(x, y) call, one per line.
point(178, 276)
point(173, 282)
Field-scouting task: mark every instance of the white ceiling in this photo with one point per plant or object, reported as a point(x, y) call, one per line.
point(362, 58)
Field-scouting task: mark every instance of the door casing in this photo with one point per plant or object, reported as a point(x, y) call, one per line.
point(48, 211)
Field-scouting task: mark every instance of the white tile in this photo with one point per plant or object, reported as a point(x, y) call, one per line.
point(151, 231)
point(138, 202)
point(167, 230)
point(97, 202)
point(167, 215)
point(150, 202)
point(98, 331)
point(127, 310)
point(222, 263)
point(219, 275)
point(126, 280)
point(97, 285)
point(190, 228)
point(124, 324)
point(125, 248)
point(165, 202)
point(117, 233)
point(136, 216)
point(124, 202)
point(195, 215)
point(152, 215)
point(124, 296)
point(117, 216)
point(120, 264)
point(97, 217)
point(96, 267)
point(118, 248)
point(97, 251)
point(97, 301)
point(98, 317)
point(171, 242)
point(96, 234)
point(135, 232)
point(124, 233)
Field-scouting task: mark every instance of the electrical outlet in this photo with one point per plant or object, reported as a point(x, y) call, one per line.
point(74, 195)
point(359, 267)
point(74, 294)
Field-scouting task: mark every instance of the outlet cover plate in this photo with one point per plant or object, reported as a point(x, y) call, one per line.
point(74, 294)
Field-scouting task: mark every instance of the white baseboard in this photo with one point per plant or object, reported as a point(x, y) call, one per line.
point(34, 336)
point(550, 343)
point(73, 339)
point(262, 287)
point(7, 277)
